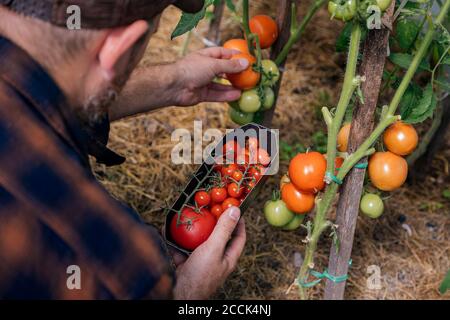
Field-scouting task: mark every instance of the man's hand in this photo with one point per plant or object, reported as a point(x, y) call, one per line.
point(212, 262)
point(197, 72)
point(184, 83)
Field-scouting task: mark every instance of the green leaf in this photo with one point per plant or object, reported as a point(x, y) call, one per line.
point(230, 5)
point(406, 31)
point(446, 60)
point(446, 193)
point(410, 99)
point(424, 108)
point(403, 60)
point(443, 83)
point(445, 285)
point(189, 21)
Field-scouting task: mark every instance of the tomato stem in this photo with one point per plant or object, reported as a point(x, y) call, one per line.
point(246, 25)
point(298, 29)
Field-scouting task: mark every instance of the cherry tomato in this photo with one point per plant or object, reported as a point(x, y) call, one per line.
point(218, 194)
point(387, 171)
point(277, 213)
point(249, 186)
point(269, 98)
point(271, 73)
point(249, 101)
point(230, 202)
point(241, 118)
point(252, 145)
point(401, 138)
point(229, 169)
point(216, 210)
point(202, 198)
point(248, 78)
point(237, 175)
point(295, 223)
point(231, 150)
point(342, 139)
point(266, 28)
point(256, 172)
point(372, 205)
point(193, 228)
point(307, 171)
point(234, 190)
point(263, 157)
point(296, 200)
point(237, 44)
point(343, 10)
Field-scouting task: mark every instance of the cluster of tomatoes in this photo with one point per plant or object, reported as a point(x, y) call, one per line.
point(387, 170)
point(256, 83)
point(346, 10)
point(298, 191)
point(228, 186)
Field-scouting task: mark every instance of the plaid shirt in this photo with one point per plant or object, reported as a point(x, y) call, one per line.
point(53, 213)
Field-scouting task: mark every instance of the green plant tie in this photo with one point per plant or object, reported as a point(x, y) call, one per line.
point(334, 178)
point(322, 275)
point(361, 165)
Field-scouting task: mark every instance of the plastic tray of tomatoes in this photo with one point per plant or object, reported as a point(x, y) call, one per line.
point(213, 188)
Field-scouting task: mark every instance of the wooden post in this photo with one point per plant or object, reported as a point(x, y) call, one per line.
point(214, 27)
point(372, 66)
point(284, 26)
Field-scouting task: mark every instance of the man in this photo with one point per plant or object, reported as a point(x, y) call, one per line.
point(58, 91)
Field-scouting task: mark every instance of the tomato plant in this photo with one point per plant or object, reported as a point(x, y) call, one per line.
point(192, 228)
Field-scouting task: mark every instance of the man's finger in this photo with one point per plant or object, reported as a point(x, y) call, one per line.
point(224, 229)
point(217, 52)
point(236, 245)
point(221, 96)
point(230, 66)
point(177, 256)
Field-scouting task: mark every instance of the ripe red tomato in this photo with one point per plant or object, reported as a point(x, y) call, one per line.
point(342, 139)
point(387, 171)
point(228, 170)
point(193, 229)
point(296, 200)
point(202, 198)
point(307, 171)
point(256, 172)
point(248, 78)
point(249, 186)
point(237, 44)
point(218, 194)
point(237, 175)
point(231, 151)
point(266, 28)
point(234, 190)
point(216, 210)
point(230, 202)
point(401, 138)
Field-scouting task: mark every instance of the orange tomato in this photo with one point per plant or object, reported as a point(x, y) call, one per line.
point(248, 78)
point(401, 138)
point(387, 171)
point(307, 171)
point(296, 200)
point(342, 139)
point(266, 28)
point(237, 44)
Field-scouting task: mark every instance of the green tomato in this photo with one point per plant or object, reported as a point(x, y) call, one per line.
point(372, 205)
point(271, 73)
point(383, 4)
point(241, 118)
point(277, 213)
point(249, 101)
point(234, 104)
point(269, 98)
point(343, 10)
point(295, 223)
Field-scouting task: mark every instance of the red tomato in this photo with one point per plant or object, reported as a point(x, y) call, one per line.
point(266, 28)
point(307, 171)
point(249, 186)
point(237, 175)
point(218, 194)
point(202, 198)
point(248, 78)
point(263, 157)
point(193, 228)
point(231, 151)
point(256, 172)
point(296, 200)
point(216, 210)
point(234, 190)
point(237, 44)
point(230, 202)
point(228, 170)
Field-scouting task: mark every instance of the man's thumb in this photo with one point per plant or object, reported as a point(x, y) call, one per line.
point(225, 227)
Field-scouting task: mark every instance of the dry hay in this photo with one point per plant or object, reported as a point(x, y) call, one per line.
point(412, 266)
